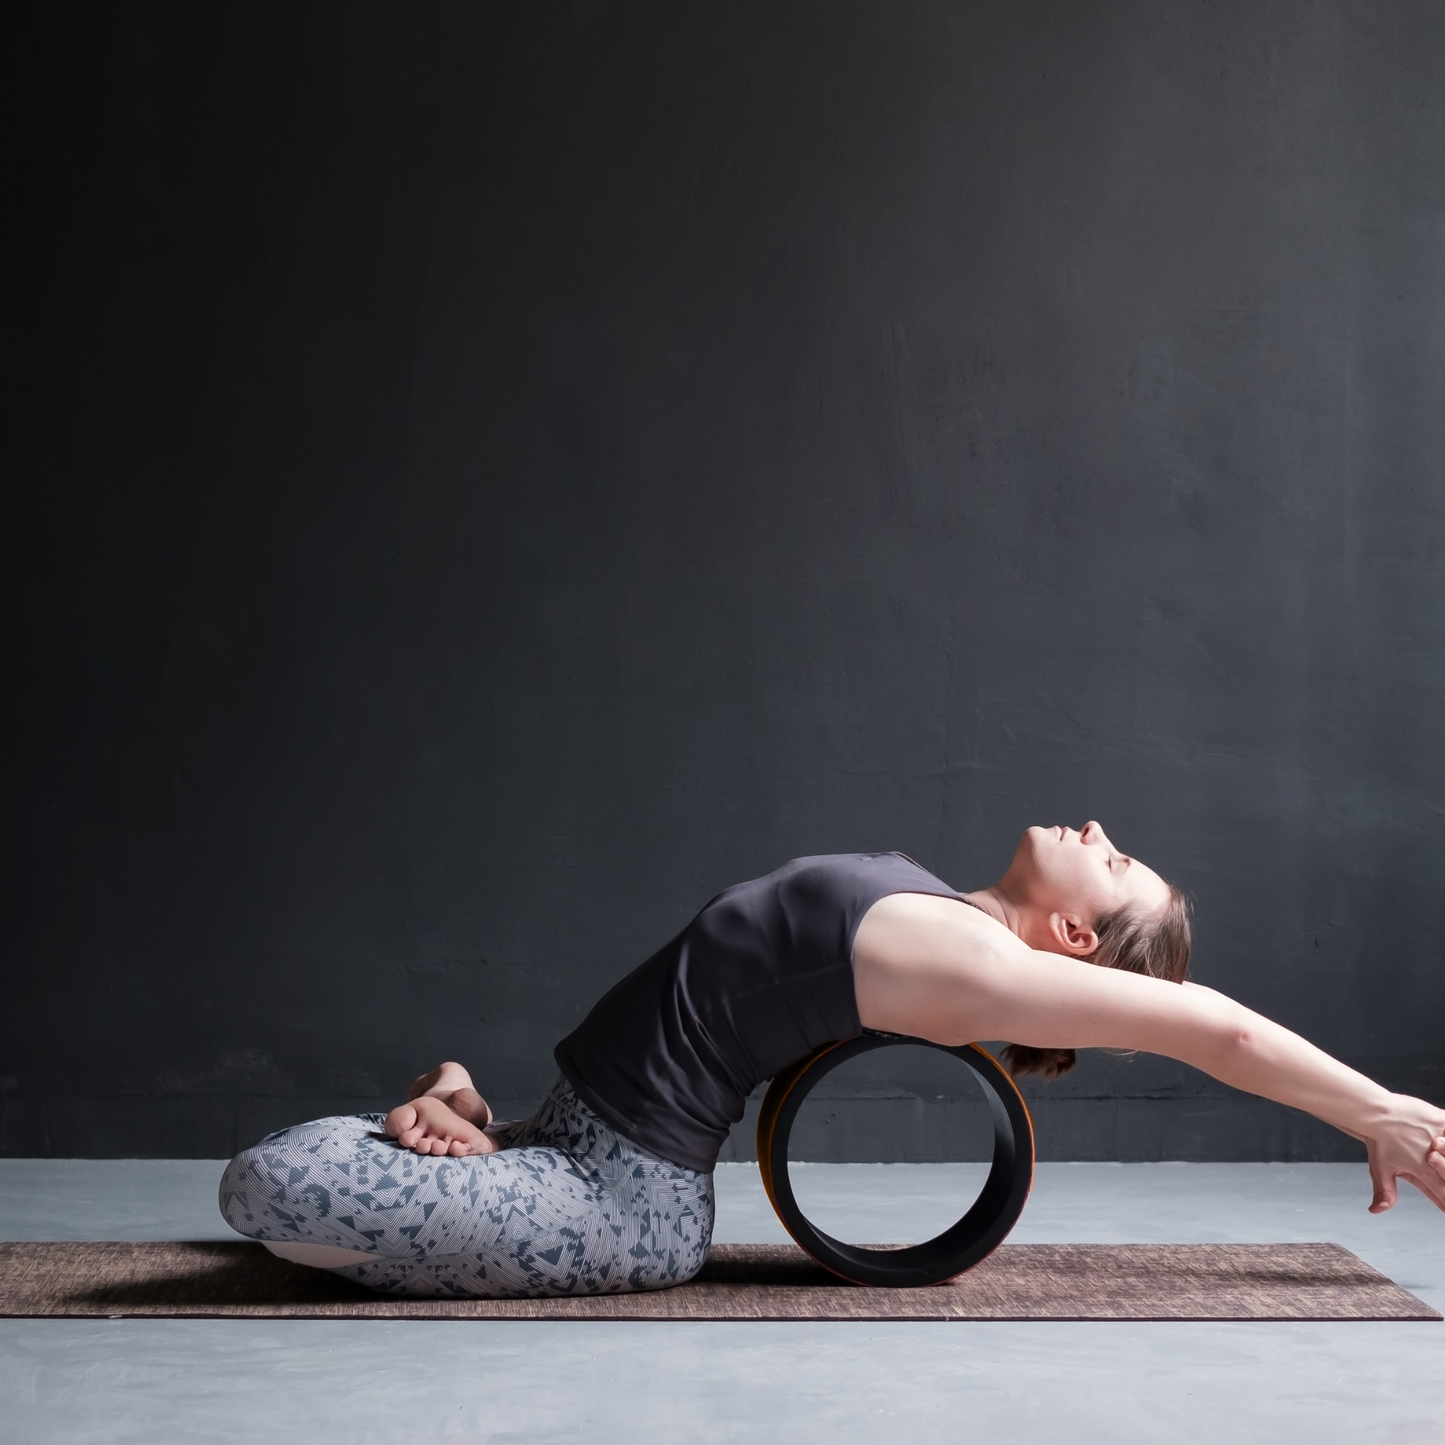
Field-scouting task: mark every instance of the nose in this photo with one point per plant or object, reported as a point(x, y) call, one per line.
point(1093, 832)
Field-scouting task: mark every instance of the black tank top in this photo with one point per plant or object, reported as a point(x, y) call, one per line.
point(761, 977)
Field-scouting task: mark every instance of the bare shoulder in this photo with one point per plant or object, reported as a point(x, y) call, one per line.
point(915, 953)
point(903, 928)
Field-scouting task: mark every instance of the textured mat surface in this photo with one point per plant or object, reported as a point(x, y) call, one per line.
point(739, 1282)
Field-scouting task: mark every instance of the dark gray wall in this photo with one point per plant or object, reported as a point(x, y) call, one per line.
point(481, 479)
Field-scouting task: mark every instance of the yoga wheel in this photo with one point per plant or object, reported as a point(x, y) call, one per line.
point(962, 1245)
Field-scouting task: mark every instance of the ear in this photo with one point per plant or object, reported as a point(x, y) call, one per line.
point(1072, 936)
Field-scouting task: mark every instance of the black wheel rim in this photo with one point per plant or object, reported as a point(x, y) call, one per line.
point(980, 1231)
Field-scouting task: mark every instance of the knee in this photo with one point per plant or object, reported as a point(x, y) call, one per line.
point(271, 1189)
point(258, 1181)
point(238, 1182)
point(259, 1187)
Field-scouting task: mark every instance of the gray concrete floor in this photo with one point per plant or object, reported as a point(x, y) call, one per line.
point(446, 1382)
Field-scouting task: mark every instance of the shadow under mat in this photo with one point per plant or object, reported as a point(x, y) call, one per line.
point(739, 1282)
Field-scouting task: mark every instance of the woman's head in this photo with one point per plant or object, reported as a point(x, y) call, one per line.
point(1075, 893)
point(1063, 881)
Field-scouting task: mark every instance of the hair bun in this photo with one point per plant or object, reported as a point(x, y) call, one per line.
point(1047, 1063)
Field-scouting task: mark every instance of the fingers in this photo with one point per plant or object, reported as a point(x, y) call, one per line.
point(1386, 1191)
point(1430, 1186)
point(1436, 1157)
point(1431, 1179)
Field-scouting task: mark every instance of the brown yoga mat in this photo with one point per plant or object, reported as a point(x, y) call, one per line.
point(739, 1282)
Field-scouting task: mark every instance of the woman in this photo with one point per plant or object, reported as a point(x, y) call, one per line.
point(609, 1186)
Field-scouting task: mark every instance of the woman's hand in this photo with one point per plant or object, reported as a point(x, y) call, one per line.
point(1408, 1144)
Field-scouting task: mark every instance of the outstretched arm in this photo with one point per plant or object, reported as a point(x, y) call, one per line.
point(921, 968)
point(1405, 1137)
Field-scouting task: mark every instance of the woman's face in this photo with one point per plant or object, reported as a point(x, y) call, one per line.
point(1080, 873)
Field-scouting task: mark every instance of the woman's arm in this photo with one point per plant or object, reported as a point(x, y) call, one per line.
point(921, 968)
point(1405, 1136)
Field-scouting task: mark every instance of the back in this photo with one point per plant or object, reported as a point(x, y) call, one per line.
point(761, 977)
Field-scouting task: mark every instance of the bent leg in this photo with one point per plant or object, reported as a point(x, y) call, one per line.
point(312, 1184)
point(570, 1208)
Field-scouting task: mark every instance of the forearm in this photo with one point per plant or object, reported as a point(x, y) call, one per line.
point(1263, 1058)
point(1405, 1137)
point(1057, 1004)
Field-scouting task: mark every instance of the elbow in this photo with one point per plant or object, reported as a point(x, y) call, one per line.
point(1235, 1042)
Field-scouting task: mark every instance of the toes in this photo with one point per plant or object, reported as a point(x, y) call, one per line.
point(402, 1118)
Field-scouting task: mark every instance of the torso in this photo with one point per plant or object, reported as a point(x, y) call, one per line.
point(762, 976)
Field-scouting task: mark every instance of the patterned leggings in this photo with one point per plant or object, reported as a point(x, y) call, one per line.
point(568, 1207)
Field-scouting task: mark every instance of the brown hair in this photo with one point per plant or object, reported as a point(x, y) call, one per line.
point(1158, 949)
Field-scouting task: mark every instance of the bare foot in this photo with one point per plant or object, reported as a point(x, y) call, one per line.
point(444, 1079)
point(451, 1083)
point(428, 1126)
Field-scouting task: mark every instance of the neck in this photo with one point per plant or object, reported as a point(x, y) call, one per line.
point(1000, 907)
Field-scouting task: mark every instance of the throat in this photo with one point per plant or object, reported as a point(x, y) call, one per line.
point(994, 903)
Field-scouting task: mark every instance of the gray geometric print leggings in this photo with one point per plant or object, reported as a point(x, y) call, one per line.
point(568, 1207)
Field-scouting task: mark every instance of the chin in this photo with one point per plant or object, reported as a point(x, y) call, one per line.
point(1033, 859)
point(1032, 842)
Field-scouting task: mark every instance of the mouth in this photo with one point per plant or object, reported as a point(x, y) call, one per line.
point(1061, 831)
